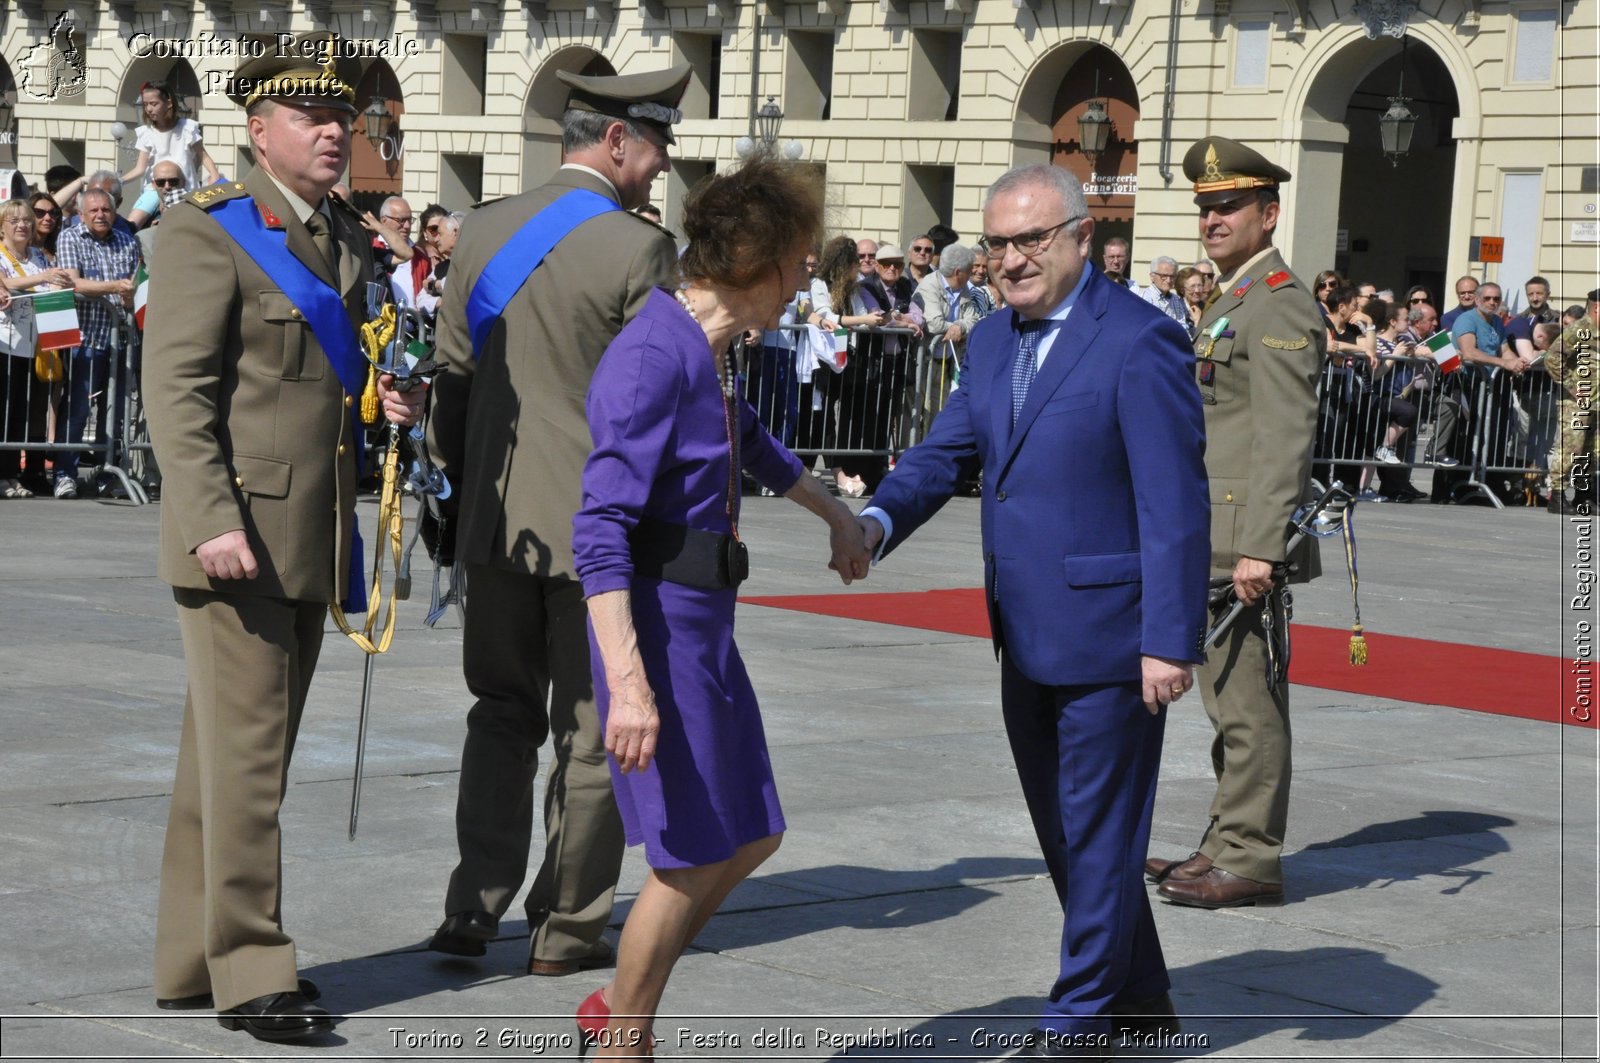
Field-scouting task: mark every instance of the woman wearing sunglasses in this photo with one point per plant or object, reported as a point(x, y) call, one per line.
point(166, 136)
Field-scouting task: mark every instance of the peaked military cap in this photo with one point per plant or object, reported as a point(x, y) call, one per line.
point(311, 71)
point(1223, 169)
point(650, 98)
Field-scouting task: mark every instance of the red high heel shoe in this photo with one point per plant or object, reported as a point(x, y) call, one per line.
point(594, 1015)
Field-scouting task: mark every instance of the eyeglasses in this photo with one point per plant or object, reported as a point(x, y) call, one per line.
point(47, 213)
point(433, 229)
point(168, 182)
point(867, 258)
point(1488, 298)
point(399, 223)
point(1164, 276)
point(891, 263)
point(1027, 244)
point(1415, 299)
point(1327, 284)
point(922, 249)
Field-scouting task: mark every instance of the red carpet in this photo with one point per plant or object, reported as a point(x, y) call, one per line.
point(1530, 686)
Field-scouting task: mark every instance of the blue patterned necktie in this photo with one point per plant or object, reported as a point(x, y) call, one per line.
point(1026, 365)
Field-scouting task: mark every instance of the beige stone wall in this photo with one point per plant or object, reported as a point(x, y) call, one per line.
point(1011, 61)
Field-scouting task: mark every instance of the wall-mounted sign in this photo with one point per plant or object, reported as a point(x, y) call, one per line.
point(1486, 249)
point(1586, 232)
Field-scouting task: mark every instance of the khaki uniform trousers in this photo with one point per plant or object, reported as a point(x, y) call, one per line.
point(1250, 754)
point(1574, 458)
point(526, 646)
point(219, 927)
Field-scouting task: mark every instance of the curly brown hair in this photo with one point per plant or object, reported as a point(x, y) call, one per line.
point(740, 223)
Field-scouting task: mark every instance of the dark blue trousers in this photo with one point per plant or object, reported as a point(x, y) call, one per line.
point(1088, 758)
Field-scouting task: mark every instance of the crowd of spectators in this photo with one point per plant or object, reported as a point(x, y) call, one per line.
point(1386, 410)
point(862, 360)
point(77, 232)
point(1490, 426)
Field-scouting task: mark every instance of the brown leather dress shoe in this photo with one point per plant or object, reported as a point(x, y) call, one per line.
point(1220, 889)
point(600, 954)
point(1192, 866)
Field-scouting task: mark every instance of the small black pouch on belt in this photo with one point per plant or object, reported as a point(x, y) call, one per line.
point(694, 558)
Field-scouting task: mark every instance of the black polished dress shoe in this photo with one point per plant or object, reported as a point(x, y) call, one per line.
point(277, 1017)
point(1145, 1019)
point(465, 933)
point(1043, 1044)
point(203, 1001)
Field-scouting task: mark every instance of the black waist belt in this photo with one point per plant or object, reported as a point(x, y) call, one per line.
point(694, 558)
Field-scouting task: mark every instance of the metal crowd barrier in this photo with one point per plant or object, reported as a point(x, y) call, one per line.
point(879, 405)
point(34, 418)
point(1500, 429)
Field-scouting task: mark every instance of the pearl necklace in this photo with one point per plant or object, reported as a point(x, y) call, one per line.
point(724, 364)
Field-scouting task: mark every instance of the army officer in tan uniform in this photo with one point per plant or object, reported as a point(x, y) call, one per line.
point(251, 424)
point(1259, 350)
point(509, 429)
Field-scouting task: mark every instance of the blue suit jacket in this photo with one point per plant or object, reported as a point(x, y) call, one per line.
point(1096, 519)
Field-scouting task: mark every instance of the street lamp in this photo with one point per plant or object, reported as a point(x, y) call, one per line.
point(1396, 125)
point(1094, 130)
point(1395, 128)
point(1094, 126)
point(768, 119)
point(377, 120)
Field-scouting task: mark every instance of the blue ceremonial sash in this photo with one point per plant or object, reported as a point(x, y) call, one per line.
point(505, 273)
point(324, 311)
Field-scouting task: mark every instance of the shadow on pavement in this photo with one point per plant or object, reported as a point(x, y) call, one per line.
point(1403, 863)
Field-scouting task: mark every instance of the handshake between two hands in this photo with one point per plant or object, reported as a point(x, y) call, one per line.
point(853, 540)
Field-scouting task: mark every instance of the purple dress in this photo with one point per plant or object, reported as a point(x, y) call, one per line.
point(661, 450)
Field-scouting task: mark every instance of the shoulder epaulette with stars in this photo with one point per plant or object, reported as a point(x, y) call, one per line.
point(212, 195)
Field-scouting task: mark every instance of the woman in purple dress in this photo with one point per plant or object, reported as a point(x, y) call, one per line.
point(658, 551)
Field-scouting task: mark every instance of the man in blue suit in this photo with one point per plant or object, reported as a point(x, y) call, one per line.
point(1081, 408)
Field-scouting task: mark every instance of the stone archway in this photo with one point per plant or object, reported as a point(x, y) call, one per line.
point(180, 77)
point(541, 113)
point(1348, 208)
point(1056, 91)
point(1110, 181)
point(8, 135)
point(377, 170)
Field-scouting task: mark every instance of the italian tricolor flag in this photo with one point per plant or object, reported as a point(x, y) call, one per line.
point(1444, 352)
point(141, 295)
point(57, 316)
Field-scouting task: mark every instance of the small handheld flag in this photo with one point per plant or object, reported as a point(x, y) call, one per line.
point(57, 317)
point(141, 295)
point(1443, 351)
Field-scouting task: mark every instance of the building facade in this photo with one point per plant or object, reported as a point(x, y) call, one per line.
point(913, 107)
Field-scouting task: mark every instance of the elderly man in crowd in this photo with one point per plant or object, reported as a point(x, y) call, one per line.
point(1466, 299)
point(101, 262)
point(948, 314)
point(1161, 293)
point(167, 186)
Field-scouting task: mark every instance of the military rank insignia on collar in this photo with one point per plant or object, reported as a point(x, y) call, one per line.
point(272, 220)
point(1279, 279)
point(1244, 286)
